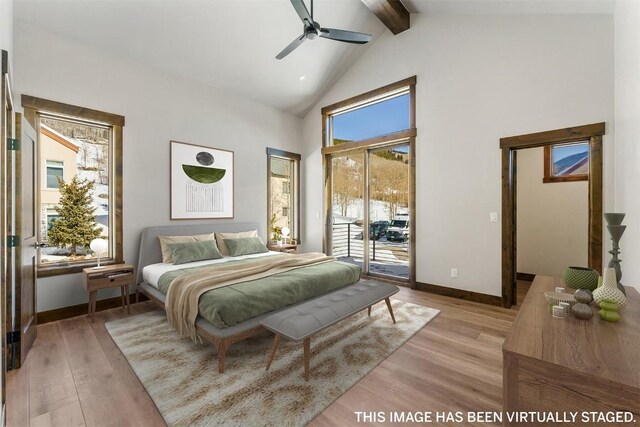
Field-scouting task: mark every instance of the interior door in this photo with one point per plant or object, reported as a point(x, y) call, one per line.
point(5, 277)
point(27, 224)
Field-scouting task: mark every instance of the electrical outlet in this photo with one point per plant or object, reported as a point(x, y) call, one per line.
point(493, 216)
point(454, 272)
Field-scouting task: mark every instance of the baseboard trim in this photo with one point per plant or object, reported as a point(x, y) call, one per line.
point(80, 309)
point(460, 294)
point(526, 277)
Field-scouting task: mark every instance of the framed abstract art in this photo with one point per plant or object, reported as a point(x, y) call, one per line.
point(201, 182)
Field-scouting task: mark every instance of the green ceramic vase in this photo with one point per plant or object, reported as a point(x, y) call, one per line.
point(581, 278)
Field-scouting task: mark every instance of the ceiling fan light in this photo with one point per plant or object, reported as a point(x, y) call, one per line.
point(312, 35)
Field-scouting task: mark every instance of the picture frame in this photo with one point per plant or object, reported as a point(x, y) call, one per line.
point(202, 182)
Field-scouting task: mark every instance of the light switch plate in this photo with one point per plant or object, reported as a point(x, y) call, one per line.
point(493, 216)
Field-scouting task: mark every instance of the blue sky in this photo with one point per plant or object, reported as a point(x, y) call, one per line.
point(560, 153)
point(374, 120)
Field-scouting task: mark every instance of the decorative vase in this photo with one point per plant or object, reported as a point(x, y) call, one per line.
point(609, 311)
point(609, 289)
point(581, 278)
point(616, 229)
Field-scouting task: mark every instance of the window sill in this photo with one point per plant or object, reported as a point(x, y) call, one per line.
point(60, 269)
point(570, 178)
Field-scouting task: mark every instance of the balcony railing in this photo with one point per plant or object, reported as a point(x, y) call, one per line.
point(348, 241)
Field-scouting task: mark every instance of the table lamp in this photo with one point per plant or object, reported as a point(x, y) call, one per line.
point(285, 233)
point(99, 246)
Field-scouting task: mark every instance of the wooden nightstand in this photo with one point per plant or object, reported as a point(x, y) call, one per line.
point(290, 248)
point(110, 276)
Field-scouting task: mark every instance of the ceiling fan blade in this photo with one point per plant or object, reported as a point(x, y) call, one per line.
point(344, 36)
point(302, 11)
point(294, 44)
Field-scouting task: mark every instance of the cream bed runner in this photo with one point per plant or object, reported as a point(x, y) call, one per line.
point(182, 298)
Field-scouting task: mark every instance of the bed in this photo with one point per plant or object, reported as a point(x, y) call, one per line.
point(219, 320)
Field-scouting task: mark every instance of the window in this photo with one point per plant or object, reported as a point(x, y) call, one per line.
point(55, 170)
point(283, 193)
point(82, 148)
point(369, 180)
point(384, 116)
point(566, 162)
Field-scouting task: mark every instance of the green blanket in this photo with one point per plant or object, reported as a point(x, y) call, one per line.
point(230, 305)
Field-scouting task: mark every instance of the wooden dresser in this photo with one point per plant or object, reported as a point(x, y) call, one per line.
point(569, 364)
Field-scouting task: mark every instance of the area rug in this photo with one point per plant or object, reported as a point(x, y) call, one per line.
point(183, 380)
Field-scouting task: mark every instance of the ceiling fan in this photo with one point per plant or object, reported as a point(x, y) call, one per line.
point(312, 30)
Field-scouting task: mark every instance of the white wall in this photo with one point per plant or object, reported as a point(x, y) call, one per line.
point(480, 78)
point(6, 29)
point(627, 135)
point(553, 217)
point(158, 107)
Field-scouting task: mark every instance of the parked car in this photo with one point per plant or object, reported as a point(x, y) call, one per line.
point(398, 230)
point(377, 229)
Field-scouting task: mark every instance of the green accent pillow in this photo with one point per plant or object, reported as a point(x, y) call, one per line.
point(245, 246)
point(194, 251)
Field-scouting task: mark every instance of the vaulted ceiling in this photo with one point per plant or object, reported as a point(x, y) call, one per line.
point(231, 44)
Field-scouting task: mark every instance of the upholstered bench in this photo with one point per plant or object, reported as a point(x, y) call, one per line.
point(299, 323)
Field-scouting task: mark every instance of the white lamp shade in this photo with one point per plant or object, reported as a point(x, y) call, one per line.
point(285, 231)
point(99, 246)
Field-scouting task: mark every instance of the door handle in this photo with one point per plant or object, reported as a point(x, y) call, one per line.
point(39, 245)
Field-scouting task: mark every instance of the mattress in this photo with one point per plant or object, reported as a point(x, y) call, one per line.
point(151, 273)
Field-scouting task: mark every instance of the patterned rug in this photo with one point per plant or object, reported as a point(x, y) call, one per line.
point(182, 377)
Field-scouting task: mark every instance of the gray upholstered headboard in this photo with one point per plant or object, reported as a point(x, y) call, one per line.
point(150, 245)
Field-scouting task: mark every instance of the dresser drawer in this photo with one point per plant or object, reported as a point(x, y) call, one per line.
point(110, 280)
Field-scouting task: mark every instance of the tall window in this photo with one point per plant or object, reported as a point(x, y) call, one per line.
point(368, 148)
point(283, 194)
point(80, 184)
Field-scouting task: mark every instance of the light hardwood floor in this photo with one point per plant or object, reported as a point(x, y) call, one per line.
point(76, 376)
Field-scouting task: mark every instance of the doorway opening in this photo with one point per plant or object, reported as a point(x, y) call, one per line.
point(589, 136)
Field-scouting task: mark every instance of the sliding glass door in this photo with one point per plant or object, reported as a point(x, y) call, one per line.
point(388, 206)
point(370, 209)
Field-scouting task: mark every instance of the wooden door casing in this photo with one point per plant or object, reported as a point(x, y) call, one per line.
point(26, 177)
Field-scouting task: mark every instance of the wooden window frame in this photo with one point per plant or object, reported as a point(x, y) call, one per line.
point(408, 136)
point(296, 158)
point(549, 177)
point(509, 147)
point(33, 107)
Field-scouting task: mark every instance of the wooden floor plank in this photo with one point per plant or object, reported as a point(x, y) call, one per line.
point(103, 397)
point(51, 384)
point(67, 416)
point(146, 410)
point(454, 364)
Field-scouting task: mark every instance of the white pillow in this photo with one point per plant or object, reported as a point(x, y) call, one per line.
point(221, 236)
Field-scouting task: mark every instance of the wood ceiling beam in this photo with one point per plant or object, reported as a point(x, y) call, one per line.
point(392, 13)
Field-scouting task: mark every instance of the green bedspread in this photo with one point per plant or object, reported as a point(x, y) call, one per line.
point(230, 305)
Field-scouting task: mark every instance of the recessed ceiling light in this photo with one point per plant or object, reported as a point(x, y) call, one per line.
point(302, 78)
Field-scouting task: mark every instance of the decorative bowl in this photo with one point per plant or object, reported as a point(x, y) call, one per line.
point(555, 298)
point(581, 278)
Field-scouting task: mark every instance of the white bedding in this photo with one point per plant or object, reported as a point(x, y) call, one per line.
point(152, 272)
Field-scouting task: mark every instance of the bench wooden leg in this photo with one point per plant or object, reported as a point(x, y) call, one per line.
point(307, 357)
point(369, 310)
point(276, 341)
point(390, 309)
point(223, 345)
